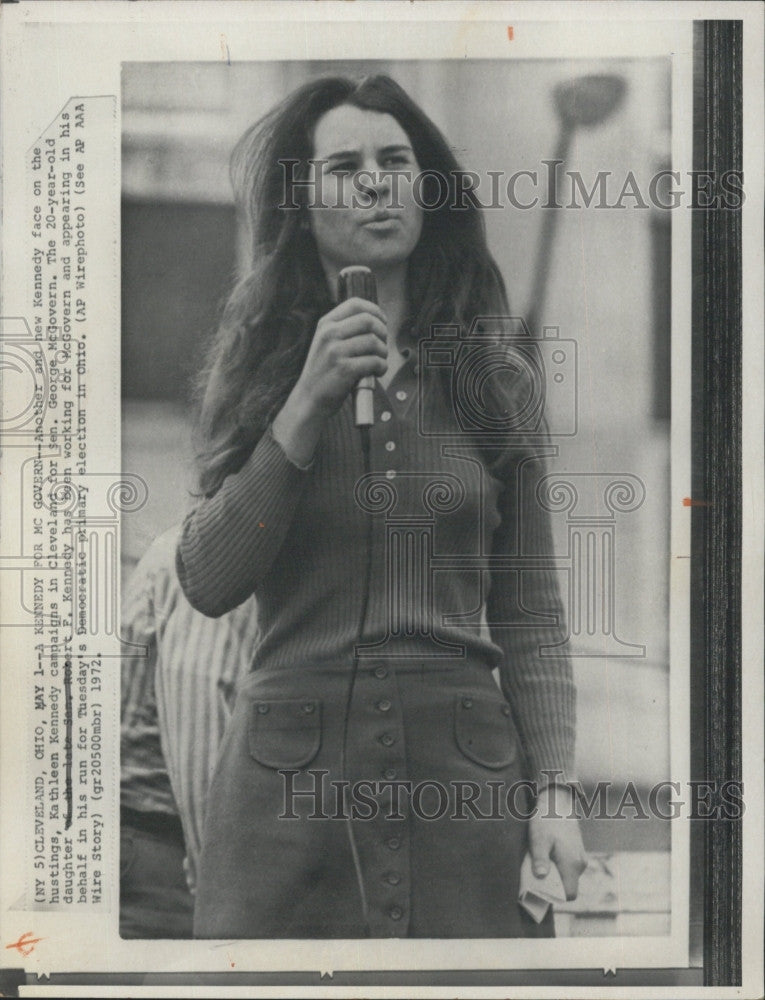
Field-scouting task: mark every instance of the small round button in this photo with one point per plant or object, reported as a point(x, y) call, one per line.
point(392, 878)
point(389, 774)
point(390, 474)
point(467, 703)
point(401, 395)
point(309, 707)
point(396, 913)
point(385, 416)
point(394, 843)
point(390, 445)
point(262, 709)
point(381, 672)
point(387, 740)
point(384, 705)
point(505, 709)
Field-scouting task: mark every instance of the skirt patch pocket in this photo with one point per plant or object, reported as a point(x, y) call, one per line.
point(285, 733)
point(484, 730)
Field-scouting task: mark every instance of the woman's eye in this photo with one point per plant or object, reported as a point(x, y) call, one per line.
point(397, 160)
point(344, 167)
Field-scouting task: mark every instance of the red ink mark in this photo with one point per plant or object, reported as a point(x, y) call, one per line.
point(687, 502)
point(25, 944)
point(510, 32)
point(260, 524)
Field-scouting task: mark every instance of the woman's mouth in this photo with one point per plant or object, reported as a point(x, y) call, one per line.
point(381, 221)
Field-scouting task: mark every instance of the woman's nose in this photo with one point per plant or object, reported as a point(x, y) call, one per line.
point(372, 179)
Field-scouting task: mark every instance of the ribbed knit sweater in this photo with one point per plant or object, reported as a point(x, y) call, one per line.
point(444, 509)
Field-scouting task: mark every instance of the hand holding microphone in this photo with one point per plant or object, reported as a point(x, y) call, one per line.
point(350, 344)
point(359, 282)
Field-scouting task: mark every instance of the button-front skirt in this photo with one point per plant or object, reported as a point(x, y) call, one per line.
point(428, 795)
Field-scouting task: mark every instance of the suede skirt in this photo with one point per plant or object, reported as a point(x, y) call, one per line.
point(393, 807)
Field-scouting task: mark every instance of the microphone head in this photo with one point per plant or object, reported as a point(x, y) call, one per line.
point(357, 281)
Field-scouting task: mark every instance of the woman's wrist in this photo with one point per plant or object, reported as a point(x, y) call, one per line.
point(297, 428)
point(557, 798)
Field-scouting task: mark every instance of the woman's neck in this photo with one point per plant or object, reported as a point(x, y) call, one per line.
point(391, 296)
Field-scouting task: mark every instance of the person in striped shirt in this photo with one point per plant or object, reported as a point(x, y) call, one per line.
point(176, 693)
point(154, 895)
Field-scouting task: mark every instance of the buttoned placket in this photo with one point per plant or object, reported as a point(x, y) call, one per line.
point(379, 756)
point(392, 404)
point(377, 712)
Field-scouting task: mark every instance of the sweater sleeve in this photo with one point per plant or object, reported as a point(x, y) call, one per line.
point(229, 542)
point(539, 687)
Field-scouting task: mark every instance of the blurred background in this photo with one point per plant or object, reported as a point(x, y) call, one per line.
point(608, 289)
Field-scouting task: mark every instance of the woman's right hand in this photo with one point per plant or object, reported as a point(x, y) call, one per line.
point(350, 343)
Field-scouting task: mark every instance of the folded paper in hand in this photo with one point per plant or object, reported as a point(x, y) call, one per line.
point(536, 895)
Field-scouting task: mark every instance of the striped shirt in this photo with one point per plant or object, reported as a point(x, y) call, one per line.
point(198, 661)
point(457, 533)
point(144, 782)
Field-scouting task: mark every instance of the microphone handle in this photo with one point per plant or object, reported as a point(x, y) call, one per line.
point(358, 281)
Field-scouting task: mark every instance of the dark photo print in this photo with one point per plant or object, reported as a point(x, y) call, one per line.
point(396, 370)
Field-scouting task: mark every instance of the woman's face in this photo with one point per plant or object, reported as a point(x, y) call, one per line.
point(366, 181)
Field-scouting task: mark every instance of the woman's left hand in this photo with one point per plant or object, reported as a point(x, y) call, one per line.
point(554, 836)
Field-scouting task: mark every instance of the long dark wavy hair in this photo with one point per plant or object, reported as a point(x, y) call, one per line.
point(269, 319)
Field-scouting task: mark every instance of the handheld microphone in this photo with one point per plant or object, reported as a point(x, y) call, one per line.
point(358, 281)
